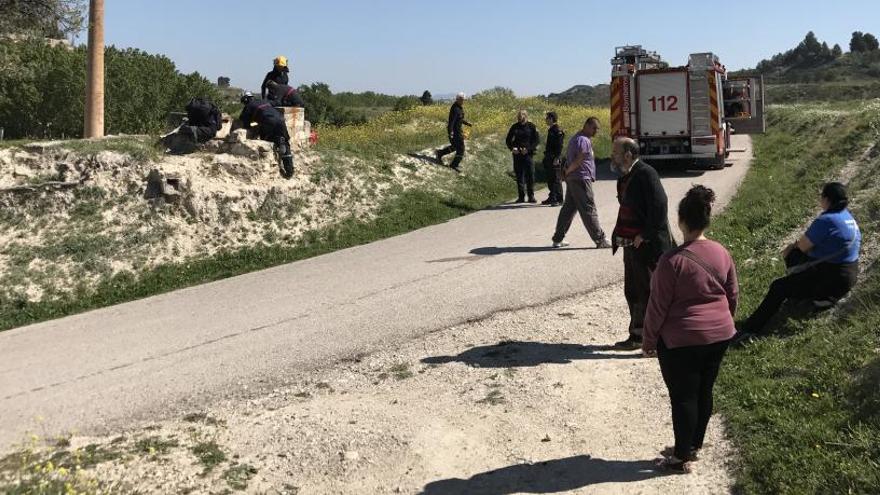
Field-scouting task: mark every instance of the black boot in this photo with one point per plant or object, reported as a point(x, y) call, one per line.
point(286, 158)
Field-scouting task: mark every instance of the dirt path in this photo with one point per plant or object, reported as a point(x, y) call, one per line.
point(526, 401)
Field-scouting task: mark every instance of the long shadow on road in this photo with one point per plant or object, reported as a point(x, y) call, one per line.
point(559, 475)
point(477, 254)
point(510, 354)
point(495, 250)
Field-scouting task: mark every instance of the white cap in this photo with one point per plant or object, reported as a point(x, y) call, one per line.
point(461, 95)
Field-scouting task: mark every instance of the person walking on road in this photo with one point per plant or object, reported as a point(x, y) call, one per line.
point(456, 135)
point(689, 324)
point(553, 159)
point(522, 140)
point(642, 230)
point(579, 175)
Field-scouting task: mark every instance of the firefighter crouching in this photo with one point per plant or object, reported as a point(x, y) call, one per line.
point(282, 95)
point(270, 126)
point(203, 120)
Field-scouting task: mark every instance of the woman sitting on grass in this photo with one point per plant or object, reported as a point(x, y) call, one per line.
point(823, 265)
point(689, 324)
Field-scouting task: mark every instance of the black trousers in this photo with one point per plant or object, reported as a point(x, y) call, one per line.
point(274, 130)
point(524, 170)
point(456, 144)
point(203, 133)
point(825, 281)
point(553, 182)
point(638, 265)
point(690, 373)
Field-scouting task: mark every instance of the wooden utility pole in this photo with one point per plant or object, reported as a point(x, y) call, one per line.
point(94, 117)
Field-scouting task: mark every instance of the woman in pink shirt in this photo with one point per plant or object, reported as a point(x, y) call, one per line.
point(689, 323)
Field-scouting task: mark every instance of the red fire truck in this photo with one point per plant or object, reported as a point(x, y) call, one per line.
point(682, 116)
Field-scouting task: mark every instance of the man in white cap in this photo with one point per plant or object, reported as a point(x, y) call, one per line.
point(456, 137)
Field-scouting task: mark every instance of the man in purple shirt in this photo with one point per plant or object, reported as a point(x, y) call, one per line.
point(579, 174)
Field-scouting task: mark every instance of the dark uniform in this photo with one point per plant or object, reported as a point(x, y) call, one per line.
point(203, 119)
point(282, 95)
point(271, 126)
point(552, 162)
point(277, 74)
point(456, 135)
point(523, 135)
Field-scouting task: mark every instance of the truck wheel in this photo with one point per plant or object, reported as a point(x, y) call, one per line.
point(717, 163)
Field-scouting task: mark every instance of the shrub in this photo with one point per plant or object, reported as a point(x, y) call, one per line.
point(42, 90)
point(405, 103)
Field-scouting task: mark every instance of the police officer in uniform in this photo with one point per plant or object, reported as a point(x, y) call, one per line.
point(522, 140)
point(553, 159)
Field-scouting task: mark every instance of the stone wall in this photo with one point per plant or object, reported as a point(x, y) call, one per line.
point(297, 125)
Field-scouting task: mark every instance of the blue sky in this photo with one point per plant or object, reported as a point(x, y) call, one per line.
point(405, 47)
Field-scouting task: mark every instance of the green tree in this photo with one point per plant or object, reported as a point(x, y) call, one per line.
point(496, 93)
point(871, 43)
point(427, 98)
point(836, 52)
point(857, 42)
point(318, 100)
point(42, 92)
point(42, 18)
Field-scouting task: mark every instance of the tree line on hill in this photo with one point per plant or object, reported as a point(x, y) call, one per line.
point(323, 107)
point(814, 61)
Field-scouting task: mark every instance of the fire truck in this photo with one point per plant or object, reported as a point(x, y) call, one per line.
point(682, 116)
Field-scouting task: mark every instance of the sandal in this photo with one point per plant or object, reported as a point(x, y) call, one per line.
point(669, 451)
point(672, 465)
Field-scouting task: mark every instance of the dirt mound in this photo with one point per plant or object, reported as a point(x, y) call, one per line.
point(76, 217)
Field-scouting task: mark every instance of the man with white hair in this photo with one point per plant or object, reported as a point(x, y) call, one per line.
point(456, 136)
point(642, 230)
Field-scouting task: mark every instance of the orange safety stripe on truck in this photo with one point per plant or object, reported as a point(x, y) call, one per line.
point(713, 103)
point(616, 107)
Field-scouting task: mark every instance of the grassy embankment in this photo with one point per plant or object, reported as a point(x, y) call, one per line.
point(803, 406)
point(828, 91)
point(375, 144)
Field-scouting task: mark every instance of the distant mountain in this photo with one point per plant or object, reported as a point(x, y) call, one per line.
point(583, 94)
point(444, 97)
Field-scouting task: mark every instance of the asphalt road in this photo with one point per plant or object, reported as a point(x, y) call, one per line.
point(173, 353)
